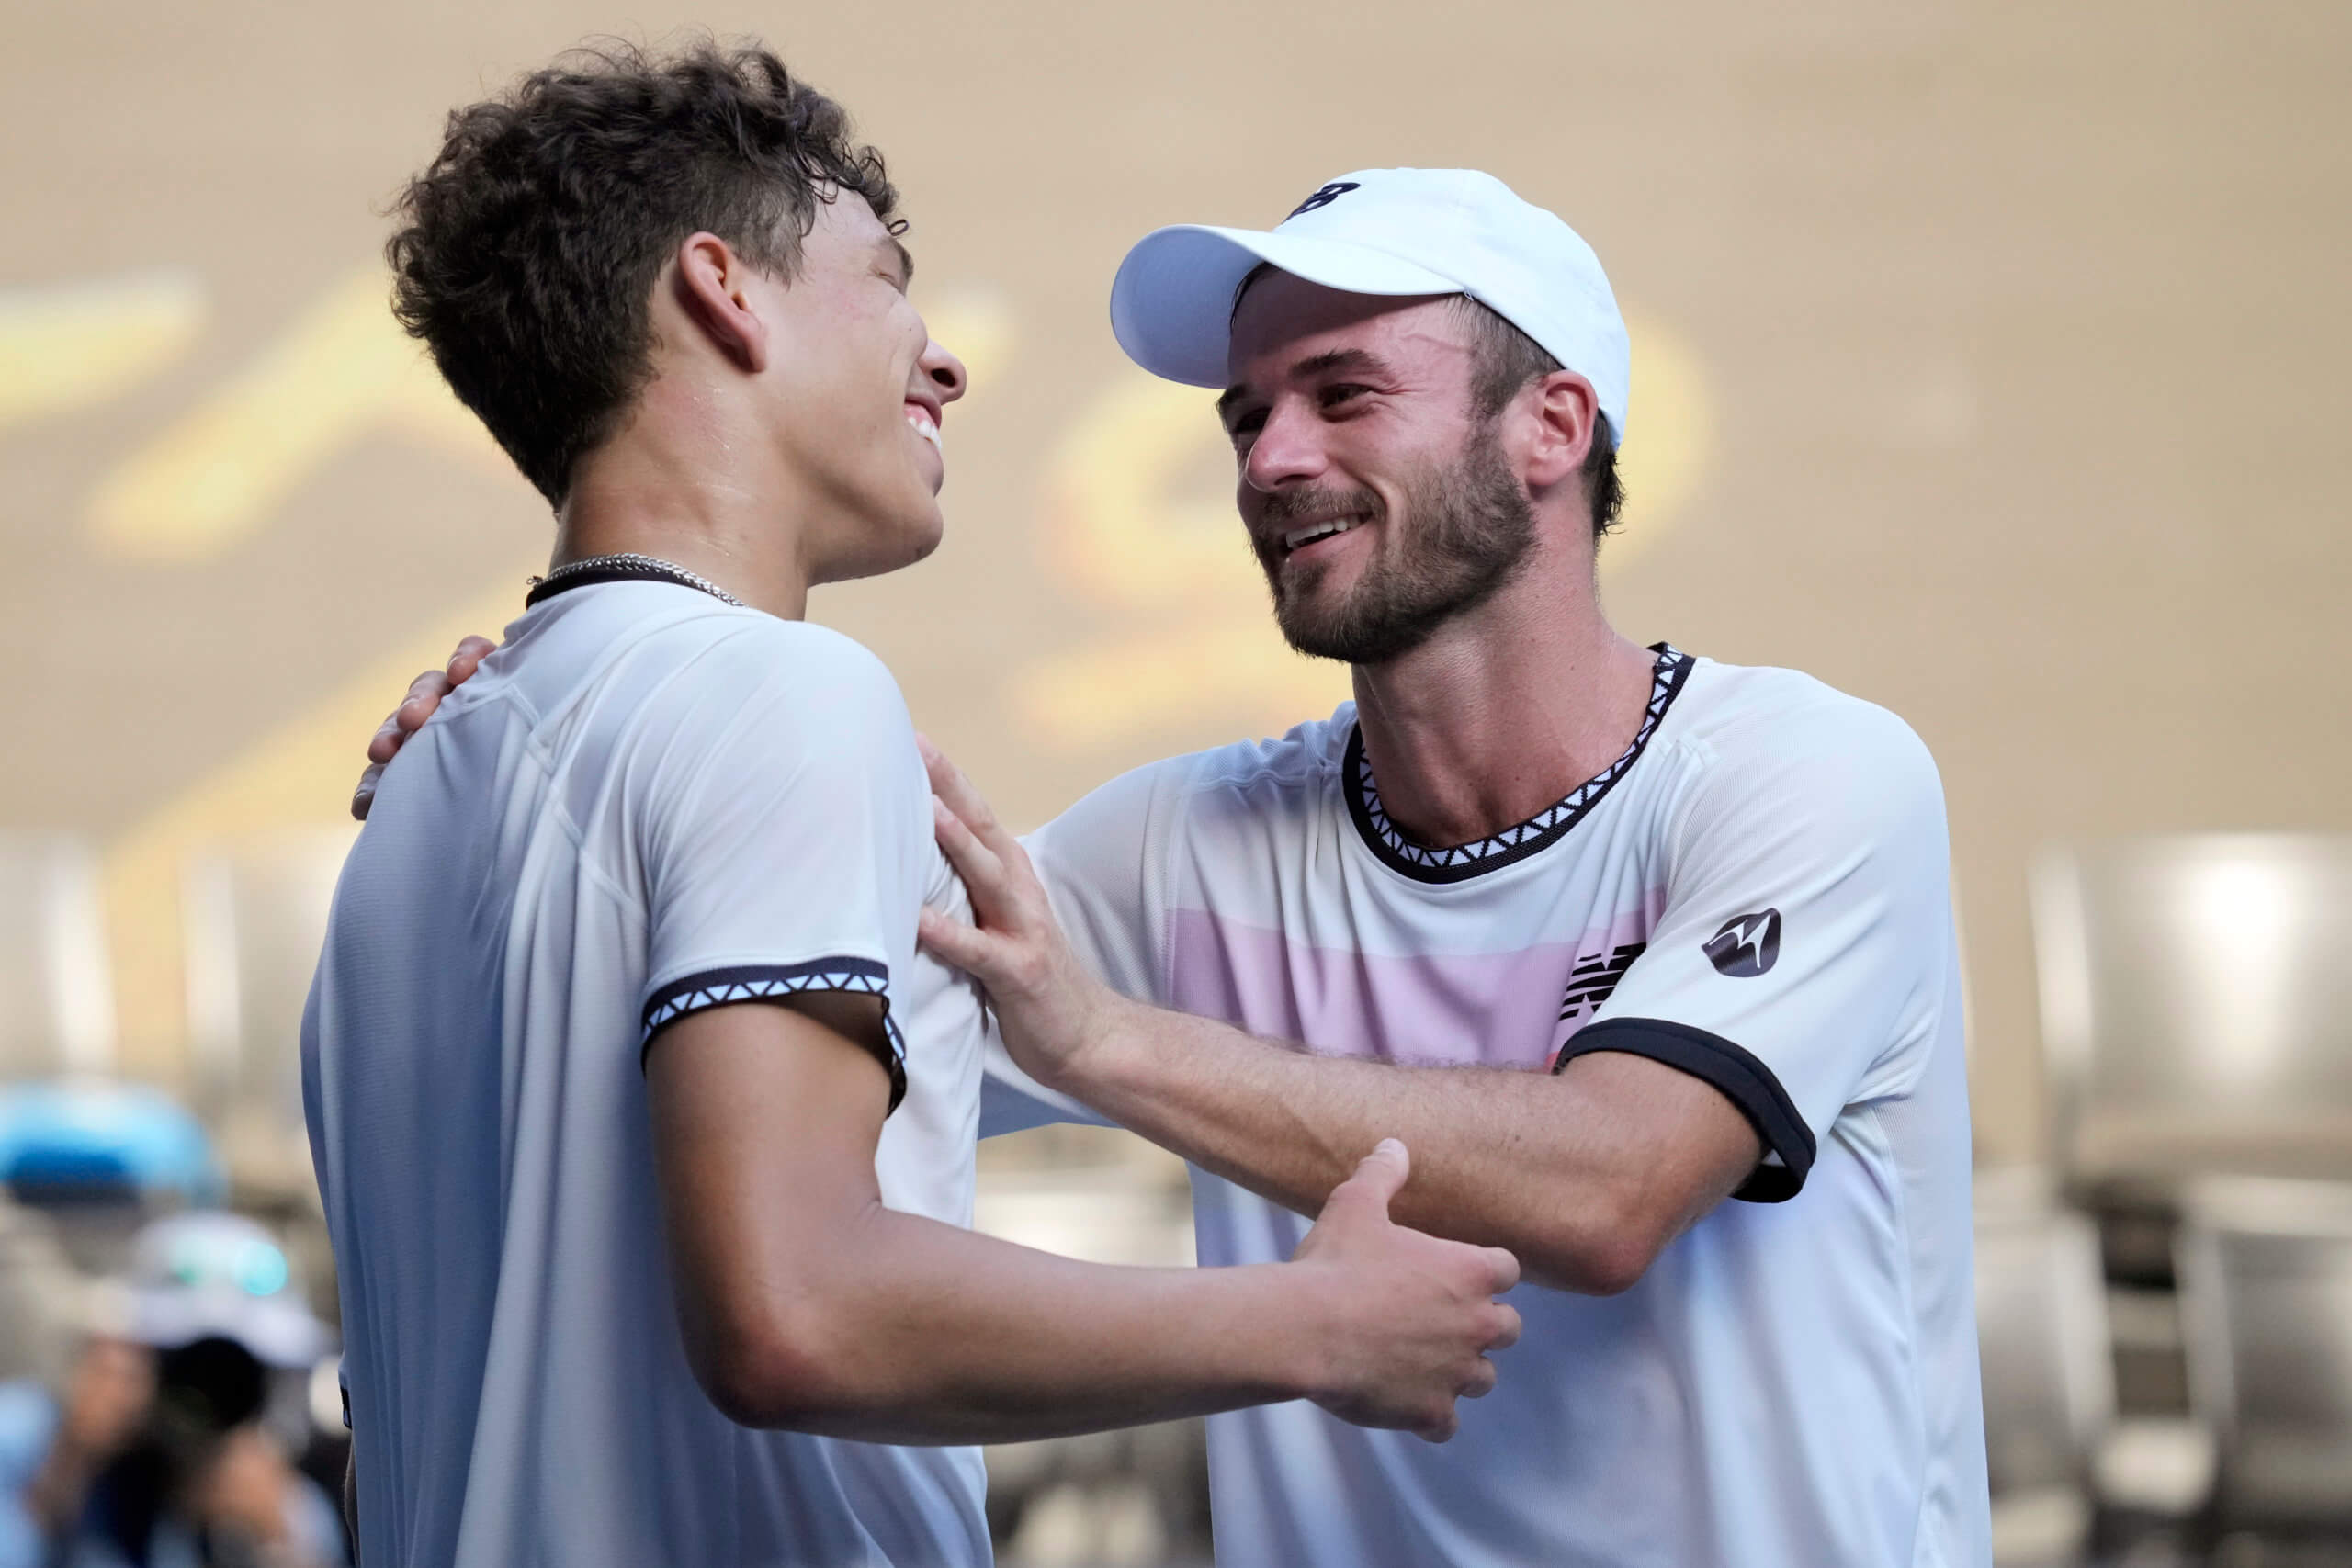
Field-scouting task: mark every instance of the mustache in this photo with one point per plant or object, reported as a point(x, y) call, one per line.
point(1289, 508)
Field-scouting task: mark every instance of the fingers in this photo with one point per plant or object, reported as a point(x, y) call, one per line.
point(386, 742)
point(363, 799)
point(1507, 1327)
point(423, 699)
point(1504, 1267)
point(1440, 1431)
point(1380, 1175)
point(471, 652)
point(424, 694)
point(1482, 1380)
point(948, 783)
point(950, 940)
point(976, 863)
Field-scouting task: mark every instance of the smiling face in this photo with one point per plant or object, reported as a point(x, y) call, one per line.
point(854, 393)
point(1380, 504)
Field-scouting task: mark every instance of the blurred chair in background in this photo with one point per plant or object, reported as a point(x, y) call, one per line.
point(56, 992)
point(2197, 1026)
point(2196, 1010)
point(2265, 1284)
point(255, 913)
point(2049, 1379)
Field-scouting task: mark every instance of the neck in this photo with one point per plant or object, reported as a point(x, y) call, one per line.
point(677, 484)
point(1504, 711)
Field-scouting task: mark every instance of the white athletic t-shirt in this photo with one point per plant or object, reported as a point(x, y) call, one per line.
point(1756, 893)
point(647, 803)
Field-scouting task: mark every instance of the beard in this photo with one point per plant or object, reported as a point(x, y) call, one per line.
point(1468, 530)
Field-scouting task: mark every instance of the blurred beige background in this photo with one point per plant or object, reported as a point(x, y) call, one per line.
point(1988, 365)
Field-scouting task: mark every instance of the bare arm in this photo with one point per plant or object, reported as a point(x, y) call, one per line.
point(1586, 1176)
point(805, 1304)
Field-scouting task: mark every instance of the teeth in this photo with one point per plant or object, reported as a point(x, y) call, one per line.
point(921, 425)
point(1307, 536)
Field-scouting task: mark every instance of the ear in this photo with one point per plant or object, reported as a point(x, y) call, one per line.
point(714, 287)
point(1567, 414)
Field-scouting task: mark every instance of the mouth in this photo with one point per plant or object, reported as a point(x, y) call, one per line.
point(1301, 537)
point(923, 418)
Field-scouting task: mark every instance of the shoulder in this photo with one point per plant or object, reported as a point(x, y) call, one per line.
point(1114, 823)
point(1740, 718)
point(1761, 739)
point(738, 694)
point(1303, 757)
point(742, 662)
point(749, 644)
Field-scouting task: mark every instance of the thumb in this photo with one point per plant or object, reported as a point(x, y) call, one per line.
point(1380, 1175)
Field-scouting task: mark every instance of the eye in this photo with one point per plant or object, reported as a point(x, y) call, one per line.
point(1245, 426)
point(1341, 392)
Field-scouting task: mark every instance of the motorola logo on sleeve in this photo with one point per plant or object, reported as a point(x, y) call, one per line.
point(1748, 945)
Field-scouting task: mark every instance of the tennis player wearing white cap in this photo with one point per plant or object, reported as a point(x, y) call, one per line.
point(1608, 934)
point(1711, 901)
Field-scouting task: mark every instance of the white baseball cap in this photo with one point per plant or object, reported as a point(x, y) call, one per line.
point(1381, 232)
point(207, 1273)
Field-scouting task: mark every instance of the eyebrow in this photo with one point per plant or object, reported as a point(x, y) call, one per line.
point(1314, 365)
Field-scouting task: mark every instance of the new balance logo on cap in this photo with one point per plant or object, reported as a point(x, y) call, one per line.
point(1325, 196)
point(1402, 233)
point(1748, 945)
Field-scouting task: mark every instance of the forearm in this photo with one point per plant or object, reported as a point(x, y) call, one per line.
point(1520, 1160)
point(930, 1333)
point(805, 1304)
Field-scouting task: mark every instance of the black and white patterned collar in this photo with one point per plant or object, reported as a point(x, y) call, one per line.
point(1516, 842)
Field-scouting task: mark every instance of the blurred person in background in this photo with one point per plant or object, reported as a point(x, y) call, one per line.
point(638, 1120)
point(170, 1446)
point(73, 1390)
point(1698, 914)
point(53, 1446)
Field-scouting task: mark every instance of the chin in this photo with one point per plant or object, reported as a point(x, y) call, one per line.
point(926, 542)
point(888, 548)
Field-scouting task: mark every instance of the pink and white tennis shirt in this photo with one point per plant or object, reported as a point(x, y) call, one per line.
point(1756, 893)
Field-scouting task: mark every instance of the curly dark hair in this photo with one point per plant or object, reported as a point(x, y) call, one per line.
point(528, 250)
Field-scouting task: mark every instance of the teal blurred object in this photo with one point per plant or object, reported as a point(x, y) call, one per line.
point(79, 1140)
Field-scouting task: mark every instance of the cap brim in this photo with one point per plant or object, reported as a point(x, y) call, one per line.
point(277, 1333)
point(1171, 304)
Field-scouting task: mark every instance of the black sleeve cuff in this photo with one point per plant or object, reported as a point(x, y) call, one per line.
point(774, 983)
point(1746, 1082)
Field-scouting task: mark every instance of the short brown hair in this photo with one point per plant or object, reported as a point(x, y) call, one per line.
point(529, 248)
point(1503, 360)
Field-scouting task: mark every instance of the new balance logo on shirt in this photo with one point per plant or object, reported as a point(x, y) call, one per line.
point(1595, 976)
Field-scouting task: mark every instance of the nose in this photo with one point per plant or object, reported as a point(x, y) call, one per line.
point(946, 372)
point(1287, 449)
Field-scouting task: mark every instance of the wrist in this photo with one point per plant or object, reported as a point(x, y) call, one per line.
point(1298, 1317)
point(1101, 1037)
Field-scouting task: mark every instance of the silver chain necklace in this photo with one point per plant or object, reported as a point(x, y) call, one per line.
point(620, 567)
